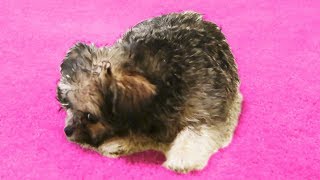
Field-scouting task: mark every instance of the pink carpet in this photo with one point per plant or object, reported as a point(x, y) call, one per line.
point(277, 48)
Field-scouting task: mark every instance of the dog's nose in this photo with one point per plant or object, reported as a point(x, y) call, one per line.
point(68, 130)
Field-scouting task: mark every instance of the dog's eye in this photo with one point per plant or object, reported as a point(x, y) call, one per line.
point(91, 118)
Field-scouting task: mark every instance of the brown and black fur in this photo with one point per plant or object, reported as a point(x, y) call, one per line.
point(165, 75)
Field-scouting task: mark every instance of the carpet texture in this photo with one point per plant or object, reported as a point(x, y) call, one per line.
point(277, 48)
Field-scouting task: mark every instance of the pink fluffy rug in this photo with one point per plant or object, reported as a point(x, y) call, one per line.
point(277, 48)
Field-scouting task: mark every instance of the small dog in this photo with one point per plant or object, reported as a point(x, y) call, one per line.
point(169, 84)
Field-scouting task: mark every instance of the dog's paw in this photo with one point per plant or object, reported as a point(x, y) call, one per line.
point(184, 164)
point(114, 148)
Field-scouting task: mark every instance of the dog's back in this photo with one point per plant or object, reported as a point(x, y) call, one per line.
point(190, 63)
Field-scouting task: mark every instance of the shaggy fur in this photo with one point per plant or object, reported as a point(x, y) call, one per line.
point(169, 84)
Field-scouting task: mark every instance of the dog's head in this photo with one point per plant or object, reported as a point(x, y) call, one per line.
point(84, 92)
point(101, 100)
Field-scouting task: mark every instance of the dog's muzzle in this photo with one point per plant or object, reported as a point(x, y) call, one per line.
point(68, 131)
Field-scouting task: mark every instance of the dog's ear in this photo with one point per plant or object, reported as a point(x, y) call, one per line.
point(78, 58)
point(106, 70)
point(106, 77)
point(76, 65)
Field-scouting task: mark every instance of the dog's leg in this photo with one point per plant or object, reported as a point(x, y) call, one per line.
point(120, 146)
point(192, 148)
point(115, 147)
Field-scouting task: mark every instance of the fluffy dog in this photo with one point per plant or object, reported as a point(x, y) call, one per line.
point(169, 84)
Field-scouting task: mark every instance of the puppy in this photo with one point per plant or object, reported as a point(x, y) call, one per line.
point(169, 84)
